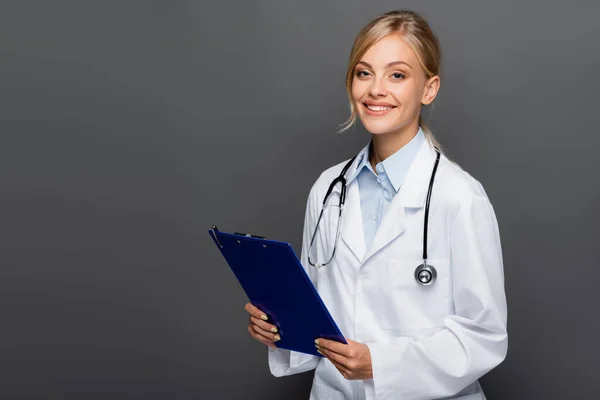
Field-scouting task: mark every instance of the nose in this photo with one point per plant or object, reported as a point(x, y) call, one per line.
point(378, 88)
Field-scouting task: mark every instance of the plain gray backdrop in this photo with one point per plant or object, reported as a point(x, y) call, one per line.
point(128, 128)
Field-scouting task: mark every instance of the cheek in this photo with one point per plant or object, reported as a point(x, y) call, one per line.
point(358, 91)
point(406, 95)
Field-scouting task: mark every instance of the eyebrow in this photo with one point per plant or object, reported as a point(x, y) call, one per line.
point(388, 65)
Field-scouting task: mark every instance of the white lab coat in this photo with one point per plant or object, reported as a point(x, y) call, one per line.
point(426, 342)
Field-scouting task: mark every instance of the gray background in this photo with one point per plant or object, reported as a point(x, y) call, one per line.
point(128, 128)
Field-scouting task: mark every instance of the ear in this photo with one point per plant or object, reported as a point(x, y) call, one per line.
point(432, 85)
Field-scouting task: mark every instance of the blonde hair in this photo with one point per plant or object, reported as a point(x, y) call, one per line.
point(416, 33)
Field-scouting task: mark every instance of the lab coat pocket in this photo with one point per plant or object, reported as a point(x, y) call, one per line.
point(409, 306)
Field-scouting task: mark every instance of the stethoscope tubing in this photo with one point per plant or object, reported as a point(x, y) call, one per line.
point(425, 274)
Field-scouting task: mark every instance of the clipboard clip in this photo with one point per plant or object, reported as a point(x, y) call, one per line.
point(249, 235)
point(214, 231)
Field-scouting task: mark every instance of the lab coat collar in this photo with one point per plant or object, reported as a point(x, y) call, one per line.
point(362, 158)
point(352, 226)
point(411, 195)
point(416, 183)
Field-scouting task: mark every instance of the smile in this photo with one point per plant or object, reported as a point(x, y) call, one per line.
point(378, 108)
point(372, 109)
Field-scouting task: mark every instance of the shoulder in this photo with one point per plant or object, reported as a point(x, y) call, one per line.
point(321, 185)
point(457, 186)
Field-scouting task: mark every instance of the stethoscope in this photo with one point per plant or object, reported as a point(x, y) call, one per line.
point(425, 274)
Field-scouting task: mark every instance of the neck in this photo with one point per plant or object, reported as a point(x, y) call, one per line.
point(384, 145)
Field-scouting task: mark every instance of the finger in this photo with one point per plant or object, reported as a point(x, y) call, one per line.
point(336, 347)
point(255, 311)
point(274, 337)
point(343, 370)
point(334, 357)
point(265, 325)
point(261, 338)
point(258, 335)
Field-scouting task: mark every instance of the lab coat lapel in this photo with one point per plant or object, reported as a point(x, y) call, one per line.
point(411, 194)
point(352, 227)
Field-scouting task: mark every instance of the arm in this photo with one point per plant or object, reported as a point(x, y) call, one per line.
point(473, 340)
point(285, 362)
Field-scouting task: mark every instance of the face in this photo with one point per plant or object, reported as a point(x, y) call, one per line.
point(389, 87)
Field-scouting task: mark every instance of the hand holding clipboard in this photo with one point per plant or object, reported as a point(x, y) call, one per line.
point(260, 329)
point(277, 284)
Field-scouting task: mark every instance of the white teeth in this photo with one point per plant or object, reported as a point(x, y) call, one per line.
point(378, 108)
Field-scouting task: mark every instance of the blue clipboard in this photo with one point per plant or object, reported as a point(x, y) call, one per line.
point(275, 281)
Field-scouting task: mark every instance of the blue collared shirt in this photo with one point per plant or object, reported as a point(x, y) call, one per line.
point(378, 189)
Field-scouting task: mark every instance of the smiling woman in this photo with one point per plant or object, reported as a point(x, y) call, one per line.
point(410, 55)
point(415, 281)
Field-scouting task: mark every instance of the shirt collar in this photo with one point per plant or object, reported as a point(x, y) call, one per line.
point(395, 166)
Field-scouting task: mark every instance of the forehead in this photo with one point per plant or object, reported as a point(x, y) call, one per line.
point(390, 48)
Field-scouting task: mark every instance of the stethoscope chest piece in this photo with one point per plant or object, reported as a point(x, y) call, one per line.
point(425, 274)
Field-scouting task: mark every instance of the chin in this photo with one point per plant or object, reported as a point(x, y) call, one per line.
point(383, 127)
point(379, 132)
point(380, 128)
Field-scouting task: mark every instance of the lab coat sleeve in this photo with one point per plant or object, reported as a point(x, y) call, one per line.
point(285, 362)
point(473, 340)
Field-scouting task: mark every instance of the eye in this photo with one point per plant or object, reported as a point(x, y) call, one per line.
point(398, 75)
point(362, 73)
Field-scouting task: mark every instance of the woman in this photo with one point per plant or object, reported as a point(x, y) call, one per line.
point(416, 330)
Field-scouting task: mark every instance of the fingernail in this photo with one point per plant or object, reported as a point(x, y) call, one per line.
point(317, 341)
point(277, 337)
point(319, 351)
point(264, 317)
point(273, 329)
point(317, 346)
